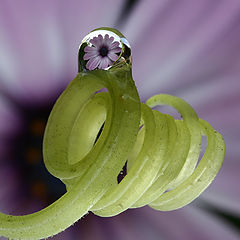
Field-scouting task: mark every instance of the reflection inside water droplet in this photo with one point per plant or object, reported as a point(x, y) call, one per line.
point(103, 48)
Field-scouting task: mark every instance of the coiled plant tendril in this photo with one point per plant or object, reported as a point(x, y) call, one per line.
point(161, 152)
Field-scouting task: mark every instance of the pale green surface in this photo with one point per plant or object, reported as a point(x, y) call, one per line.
point(161, 156)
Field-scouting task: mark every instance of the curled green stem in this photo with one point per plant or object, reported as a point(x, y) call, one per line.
point(161, 153)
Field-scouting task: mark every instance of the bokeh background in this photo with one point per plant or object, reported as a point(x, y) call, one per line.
point(190, 49)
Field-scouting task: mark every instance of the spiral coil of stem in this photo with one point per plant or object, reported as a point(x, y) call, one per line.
point(161, 153)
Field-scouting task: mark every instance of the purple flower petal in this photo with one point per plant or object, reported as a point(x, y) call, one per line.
point(107, 40)
point(97, 41)
point(90, 55)
point(113, 56)
point(106, 37)
point(104, 63)
point(114, 45)
point(93, 63)
point(89, 49)
point(116, 50)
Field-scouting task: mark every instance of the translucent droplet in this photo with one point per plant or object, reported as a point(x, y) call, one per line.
point(103, 48)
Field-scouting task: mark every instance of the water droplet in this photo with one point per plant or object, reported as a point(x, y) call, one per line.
point(103, 48)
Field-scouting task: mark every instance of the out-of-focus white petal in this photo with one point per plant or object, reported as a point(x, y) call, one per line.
point(41, 42)
point(188, 223)
point(8, 64)
point(177, 35)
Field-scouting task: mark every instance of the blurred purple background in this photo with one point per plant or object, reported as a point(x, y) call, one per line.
point(190, 49)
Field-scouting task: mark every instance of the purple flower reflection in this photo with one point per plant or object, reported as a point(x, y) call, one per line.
point(102, 53)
